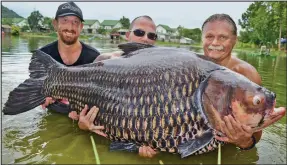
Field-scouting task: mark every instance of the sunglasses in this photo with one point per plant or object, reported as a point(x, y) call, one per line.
point(141, 33)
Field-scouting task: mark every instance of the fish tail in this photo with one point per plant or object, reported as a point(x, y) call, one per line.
point(29, 94)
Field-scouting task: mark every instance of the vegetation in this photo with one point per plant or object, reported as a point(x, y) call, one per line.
point(15, 30)
point(25, 28)
point(7, 13)
point(264, 23)
point(125, 22)
point(47, 21)
point(194, 34)
point(34, 20)
point(102, 31)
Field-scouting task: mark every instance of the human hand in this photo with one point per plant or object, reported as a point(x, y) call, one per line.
point(86, 121)
point(48, 101)
point(146, 151)
point(73, 115)
point(110, 55)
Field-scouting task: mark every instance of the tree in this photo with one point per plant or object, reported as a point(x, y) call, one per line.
point(48, 23)
point(6, 21)
point(180, 30)
point(15, 30)
point(263, 22)
point(25, 28)
point(125, 22)
point(102, 31)
point(34, 20)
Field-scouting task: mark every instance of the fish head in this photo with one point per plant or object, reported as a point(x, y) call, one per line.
point(229, 93)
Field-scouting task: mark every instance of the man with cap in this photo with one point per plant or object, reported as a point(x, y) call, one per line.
point(68, 50)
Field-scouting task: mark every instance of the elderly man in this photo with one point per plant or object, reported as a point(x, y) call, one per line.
point(219, 35)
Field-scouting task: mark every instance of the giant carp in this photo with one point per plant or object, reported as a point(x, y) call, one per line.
point(167, 98)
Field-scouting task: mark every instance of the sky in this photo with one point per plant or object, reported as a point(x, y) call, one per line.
point(173, 14)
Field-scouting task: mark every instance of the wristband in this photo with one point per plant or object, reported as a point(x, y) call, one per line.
point(253, 144)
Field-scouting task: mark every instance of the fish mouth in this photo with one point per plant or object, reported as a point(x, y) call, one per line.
point(261, 122)
point(265, 118)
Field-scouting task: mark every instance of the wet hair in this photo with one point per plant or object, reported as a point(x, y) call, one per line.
point(221, 17)
point(134, 20)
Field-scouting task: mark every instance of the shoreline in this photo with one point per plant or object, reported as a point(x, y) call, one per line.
point(249, 51)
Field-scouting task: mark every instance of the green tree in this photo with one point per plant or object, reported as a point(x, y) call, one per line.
point(15, 30)
point(196, 34)
point(48, 23)
point(263, 22)
point(125, 22)
point(114, 30)
point(102, 31)
point(25, 28)
point(34, 20)
point(6, 21)
point(180, 30)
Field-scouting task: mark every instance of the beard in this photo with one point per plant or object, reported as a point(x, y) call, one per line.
point(68, 40)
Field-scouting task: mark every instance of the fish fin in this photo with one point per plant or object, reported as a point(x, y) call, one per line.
point(41, 63)
point(133, 46)
point(205, 57)
point(193, 145)
point(124, 146)
point(28, 94)
point(25, 97)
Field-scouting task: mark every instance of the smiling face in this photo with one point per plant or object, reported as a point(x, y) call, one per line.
point(68, 28)
point(145, 26)
point(218, 39)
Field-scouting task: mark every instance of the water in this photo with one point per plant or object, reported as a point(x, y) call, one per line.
point(41, 137)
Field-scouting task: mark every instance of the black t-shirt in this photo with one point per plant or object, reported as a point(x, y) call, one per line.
point(88, 53)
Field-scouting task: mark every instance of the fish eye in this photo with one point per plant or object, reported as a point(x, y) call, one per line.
point(256, 100)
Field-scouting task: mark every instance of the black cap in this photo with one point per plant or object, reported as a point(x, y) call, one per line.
point(69, 8)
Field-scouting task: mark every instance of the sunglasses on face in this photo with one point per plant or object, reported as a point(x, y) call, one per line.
point(141, 33)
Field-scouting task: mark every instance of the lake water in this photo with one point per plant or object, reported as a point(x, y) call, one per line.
point(41, 137)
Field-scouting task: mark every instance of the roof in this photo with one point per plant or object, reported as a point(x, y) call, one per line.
point(188, 39)
point(123, 30)
point(109, 22)
point(167, 28)
point(90, 21)
point(6, 26)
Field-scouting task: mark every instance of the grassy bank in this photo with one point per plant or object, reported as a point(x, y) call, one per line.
point(248, 48)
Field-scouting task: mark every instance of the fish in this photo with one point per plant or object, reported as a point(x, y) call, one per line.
point(170, 99)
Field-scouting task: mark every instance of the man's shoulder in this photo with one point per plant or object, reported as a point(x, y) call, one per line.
point(49, 46)
point(246, 69)
point(243, 65)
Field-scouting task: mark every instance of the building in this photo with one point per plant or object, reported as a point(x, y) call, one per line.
point(91, 26)
point(165, 33)
point(185, 40)
point(111, 24)
point(6, 28)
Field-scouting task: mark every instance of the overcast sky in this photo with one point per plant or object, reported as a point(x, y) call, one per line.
point(173, 14)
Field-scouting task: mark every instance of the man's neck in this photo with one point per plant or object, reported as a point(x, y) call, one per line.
point(69, 53)
point(64, 48)
point(224, 62)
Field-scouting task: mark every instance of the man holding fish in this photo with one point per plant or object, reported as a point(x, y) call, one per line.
point(219, 35)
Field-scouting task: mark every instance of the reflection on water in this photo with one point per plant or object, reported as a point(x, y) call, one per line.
point(40, 137)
